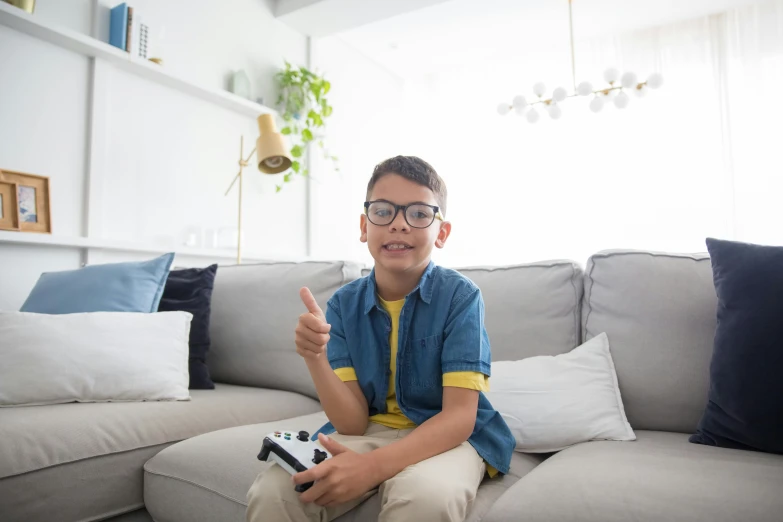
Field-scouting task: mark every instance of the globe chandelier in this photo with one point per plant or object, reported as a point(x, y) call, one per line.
point(614, 92)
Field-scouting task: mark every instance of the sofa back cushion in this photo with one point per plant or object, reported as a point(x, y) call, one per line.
point(659, 311)
point(255, 309)
point(530, 309)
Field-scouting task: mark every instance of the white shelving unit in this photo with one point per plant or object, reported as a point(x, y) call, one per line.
point(21, 21)
point(28, 238)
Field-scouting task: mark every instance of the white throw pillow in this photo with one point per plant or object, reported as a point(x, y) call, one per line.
point(552, 402)
point(93, 357)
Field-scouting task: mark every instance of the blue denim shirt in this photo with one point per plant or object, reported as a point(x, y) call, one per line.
point(441, 330)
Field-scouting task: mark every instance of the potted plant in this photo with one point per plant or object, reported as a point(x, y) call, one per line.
point(305, 108)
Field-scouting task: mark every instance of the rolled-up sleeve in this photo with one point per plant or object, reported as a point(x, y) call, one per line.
point(337, 348)
point(465, 342)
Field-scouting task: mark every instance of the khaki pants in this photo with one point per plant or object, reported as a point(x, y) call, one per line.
point(440, 488)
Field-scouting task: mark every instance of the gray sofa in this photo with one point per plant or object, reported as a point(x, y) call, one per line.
point(194, 461)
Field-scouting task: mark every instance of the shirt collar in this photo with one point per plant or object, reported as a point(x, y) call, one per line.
point(424, 288)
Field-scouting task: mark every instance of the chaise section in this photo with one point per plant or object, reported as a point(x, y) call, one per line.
point(206, 478)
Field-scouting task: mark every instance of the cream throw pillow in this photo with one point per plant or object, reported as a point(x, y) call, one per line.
point(93, 357)
point(552, 402)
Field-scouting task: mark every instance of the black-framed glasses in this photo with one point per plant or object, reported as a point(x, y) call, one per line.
point(417, 215)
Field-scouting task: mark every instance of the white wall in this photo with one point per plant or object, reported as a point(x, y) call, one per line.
point(162, 159)
point(365, 128)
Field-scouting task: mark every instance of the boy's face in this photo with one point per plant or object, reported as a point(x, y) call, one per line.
point(384, 242)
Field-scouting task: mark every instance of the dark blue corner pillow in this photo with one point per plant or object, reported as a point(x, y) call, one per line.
point(190, 290)
point(745, 403)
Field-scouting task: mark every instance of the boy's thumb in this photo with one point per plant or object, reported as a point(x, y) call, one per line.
point(309, 301)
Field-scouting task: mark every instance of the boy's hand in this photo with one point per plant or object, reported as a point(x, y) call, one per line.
point(345, 476)
point(312, 331)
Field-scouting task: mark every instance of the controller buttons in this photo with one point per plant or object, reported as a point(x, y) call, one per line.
point(318, 456)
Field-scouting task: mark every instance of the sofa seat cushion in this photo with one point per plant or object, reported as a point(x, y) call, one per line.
point(206, 478)
point(660, 476)
point(84, 460)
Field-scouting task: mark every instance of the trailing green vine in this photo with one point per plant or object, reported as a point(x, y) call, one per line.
point(305, 108)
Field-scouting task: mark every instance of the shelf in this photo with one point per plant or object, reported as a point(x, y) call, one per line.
point(27, 238)
point(23, 22)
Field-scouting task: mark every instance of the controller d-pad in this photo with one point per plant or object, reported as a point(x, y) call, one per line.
point(318, 456)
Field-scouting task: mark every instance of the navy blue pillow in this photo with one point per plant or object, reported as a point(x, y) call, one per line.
point(745, 403)
point(190, 290)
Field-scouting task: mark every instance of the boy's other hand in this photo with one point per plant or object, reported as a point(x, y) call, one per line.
point(346, 476)
point(312, 331)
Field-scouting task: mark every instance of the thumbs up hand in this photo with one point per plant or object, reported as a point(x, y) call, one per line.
point(312, 331)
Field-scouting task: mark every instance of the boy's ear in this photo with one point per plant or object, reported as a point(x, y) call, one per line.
point(443, 234)
point(363, 228)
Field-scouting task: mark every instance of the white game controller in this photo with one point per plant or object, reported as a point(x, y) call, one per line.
point(294, 452)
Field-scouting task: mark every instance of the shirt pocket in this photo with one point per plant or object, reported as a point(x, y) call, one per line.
point(423, 362)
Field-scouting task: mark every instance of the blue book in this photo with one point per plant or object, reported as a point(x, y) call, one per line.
point(118, 28)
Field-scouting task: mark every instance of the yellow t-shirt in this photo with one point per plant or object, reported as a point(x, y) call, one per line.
point(394, 418)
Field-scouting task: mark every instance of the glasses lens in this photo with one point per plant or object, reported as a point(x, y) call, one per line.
point(420, 216)
point(380, 213)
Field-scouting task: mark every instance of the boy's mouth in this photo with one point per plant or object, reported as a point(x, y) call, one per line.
point(394, 246)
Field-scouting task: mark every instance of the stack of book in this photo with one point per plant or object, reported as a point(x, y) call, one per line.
point(128, 32)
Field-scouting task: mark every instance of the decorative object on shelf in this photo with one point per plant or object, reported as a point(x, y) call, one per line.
point(25, 5)
point(130, 33)
point(271, 157)
point(615, 92)
point(9, 206)
point(303, 93)
point(33, 200)
point(240, 84)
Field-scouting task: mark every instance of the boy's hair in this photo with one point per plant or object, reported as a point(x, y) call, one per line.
point(416, 170)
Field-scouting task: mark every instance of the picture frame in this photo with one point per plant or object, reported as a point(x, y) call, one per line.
point(9, 206)
point(33, 200)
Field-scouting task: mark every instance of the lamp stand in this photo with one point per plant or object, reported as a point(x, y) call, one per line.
point(242, 164)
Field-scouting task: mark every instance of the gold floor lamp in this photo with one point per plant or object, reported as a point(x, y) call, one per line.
point(273, 158)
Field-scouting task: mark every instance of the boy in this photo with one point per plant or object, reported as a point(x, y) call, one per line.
point(399, 360)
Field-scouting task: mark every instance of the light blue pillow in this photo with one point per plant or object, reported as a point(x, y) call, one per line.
point(115, 287)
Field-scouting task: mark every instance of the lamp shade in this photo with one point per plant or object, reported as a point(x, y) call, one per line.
point(271, 149)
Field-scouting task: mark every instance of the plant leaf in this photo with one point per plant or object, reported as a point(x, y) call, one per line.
point(305, 173)
point(327, 87)
point(327, 111)
point(296, 166)
point(296, 151)
point(285, 131)
point(278, 188)
point(287, 177)
point(307, 136)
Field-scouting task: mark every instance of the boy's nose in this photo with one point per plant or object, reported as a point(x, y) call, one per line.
point(399, 222)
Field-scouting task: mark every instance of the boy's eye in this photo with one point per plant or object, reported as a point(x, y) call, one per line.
point(382, 212)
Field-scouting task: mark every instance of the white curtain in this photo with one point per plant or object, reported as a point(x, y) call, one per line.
point(699, 157)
